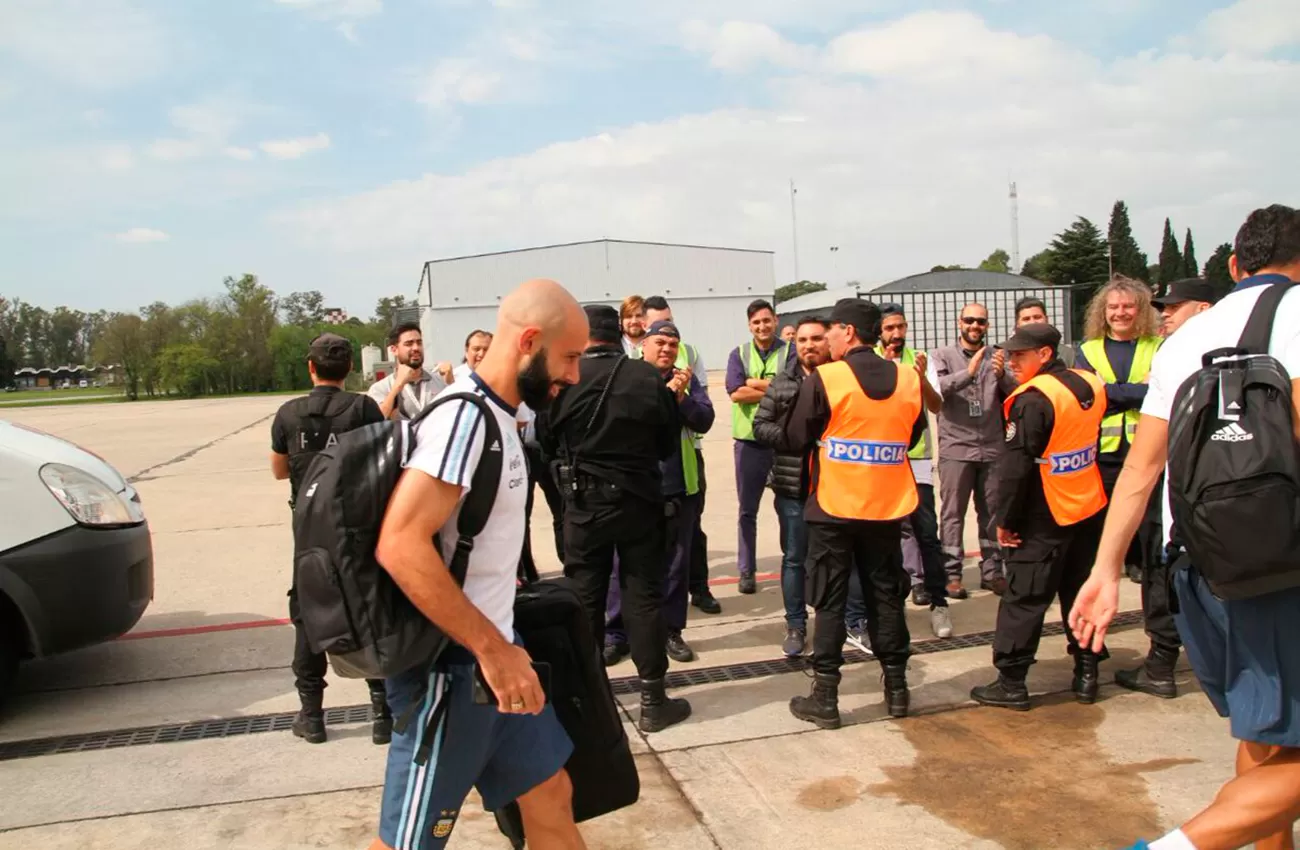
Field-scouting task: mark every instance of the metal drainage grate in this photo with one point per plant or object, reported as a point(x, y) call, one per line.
point(622, 686)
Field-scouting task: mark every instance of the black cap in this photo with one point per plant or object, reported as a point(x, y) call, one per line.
point(1030, 337)
point(1188, 289)
point(663, 327)
point(887, 310)
point(864, 316)
point(602, 317)
point(330, 349)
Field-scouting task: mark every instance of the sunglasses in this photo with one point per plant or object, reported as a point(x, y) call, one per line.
point(973, 320)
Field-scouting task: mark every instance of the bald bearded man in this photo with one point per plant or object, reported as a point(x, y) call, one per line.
point(514, 750)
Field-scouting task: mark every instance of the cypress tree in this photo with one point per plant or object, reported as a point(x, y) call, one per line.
point(1190, 268)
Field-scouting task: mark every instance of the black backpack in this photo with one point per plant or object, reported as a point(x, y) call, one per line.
point(350, 607)
point(320, 416)
point(1234, 465)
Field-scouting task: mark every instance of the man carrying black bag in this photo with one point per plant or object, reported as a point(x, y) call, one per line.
point(515, 749)
point(302, 428)
point(611, 430)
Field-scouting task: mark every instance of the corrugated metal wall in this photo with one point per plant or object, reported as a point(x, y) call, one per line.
point(708, 288)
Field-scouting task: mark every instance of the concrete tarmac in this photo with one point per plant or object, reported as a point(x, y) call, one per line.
point(741, 773)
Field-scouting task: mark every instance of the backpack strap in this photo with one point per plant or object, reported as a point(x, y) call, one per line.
point(1259, 329)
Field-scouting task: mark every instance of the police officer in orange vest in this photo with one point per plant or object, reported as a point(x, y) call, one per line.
point(1050, 514)
point(862, 414)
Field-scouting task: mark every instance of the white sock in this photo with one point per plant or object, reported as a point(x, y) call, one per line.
point(1173, 841)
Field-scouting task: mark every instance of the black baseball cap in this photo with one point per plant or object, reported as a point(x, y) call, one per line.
point(330, 349)
point(864, 316)
point(1031, 337)
point(1188, 289)
point(663, 327)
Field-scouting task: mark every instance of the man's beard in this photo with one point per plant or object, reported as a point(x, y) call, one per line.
point(973, 337)
point(897, 344)
point(415, 361)
point(534, 382)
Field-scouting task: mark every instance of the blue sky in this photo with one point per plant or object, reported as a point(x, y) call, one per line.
point(147, 149)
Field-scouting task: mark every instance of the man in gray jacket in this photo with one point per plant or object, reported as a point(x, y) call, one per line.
point(973, 381)
point(789, 476)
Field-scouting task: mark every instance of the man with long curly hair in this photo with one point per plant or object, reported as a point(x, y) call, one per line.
point(1121, 336)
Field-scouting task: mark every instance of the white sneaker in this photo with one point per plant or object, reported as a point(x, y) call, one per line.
point(941, 622)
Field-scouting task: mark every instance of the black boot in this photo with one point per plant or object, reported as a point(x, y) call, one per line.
point(658, 711)
point(1007, 692)
point(381, 730)
point(1155, 677)
point(896, 695)
point(310, 722)
point(1086, 678)
point(822, 706)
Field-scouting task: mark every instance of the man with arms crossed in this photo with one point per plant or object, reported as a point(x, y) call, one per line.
point(1244, 651)
point(517, 749)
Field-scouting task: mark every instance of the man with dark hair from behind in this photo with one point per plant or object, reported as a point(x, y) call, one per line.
point(303, 427)
point(1243, 651)
point(750, 370)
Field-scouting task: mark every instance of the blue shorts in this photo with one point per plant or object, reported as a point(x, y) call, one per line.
point(473, 746)
point(1246, 654)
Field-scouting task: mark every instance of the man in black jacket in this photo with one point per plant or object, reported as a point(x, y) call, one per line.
point(789, 476)
point(610, 432)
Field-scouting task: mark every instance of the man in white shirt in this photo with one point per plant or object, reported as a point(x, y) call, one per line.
point(476, 348)
point(409, 389)
point(516, 749)
point(1244, 651)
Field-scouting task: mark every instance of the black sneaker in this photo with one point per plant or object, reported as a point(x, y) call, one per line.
point(679, 649)
point(748, 584)
point(706, 603)
point(794, 643)
point(1143, 681)
point(1004, 693)
point(615, 652)
point(921, 597)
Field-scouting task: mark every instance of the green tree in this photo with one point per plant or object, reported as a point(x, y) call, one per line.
point(942, 268)
point(386, 310)
point(251, 307)
point(1171, 260)
point(1126, 257)
point(1078, 256)
point(1190, 268)
point(1038, 266)
point(794, 290)
point(122, 345)
point(6, 365)
point(1216, 269)
point(186, 369)
point(303, 309)
point(998, 261)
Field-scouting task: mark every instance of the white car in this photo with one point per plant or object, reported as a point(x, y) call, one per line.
point(76, 559)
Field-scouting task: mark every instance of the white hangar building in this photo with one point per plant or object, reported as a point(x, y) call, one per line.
point(708, 288)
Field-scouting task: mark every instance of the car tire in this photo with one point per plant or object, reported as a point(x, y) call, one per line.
point(8, 663)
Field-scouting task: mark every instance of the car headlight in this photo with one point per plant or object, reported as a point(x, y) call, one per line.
point(89, 500)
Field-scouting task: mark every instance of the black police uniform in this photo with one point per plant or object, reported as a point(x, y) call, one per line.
point(303, 427)
point(1051, 562)
point(611, 483)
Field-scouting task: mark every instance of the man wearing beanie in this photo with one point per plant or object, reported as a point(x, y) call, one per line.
point(861, 414)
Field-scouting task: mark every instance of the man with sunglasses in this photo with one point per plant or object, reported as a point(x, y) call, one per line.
point(973, 381)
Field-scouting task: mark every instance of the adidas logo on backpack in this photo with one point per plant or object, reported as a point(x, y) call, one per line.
point(1232, 433)
point(1234, 465)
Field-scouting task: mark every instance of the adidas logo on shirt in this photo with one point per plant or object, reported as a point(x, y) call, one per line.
point(1232, 433)
point(496, 447)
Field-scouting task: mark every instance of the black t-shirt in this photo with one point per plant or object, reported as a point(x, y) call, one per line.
point(290, 429)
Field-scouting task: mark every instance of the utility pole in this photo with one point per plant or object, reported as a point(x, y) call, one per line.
point(1015, 230)
point(794, 230)
point(835, 255)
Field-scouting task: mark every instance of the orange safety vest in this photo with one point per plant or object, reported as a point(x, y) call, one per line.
point(862, 466)
point(1071, 479)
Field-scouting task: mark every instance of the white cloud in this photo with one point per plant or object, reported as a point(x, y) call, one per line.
point(117, 158)
point(1253, 26)
point(742, 45)
point(239, 153)
point(94, 117)
point(139, 235)
point(205, 129)
point(295, 148)
point(349, 31)
point(901, 160)
point(174, 150)
point(458, 81)
point(343, 13)
point(96, 44)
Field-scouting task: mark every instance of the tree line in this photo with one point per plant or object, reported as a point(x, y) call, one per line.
point(248, 339)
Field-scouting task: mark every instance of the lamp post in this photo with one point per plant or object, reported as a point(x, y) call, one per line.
point(835, 256)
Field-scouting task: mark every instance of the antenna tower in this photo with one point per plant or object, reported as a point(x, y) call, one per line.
point(1015, 230)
